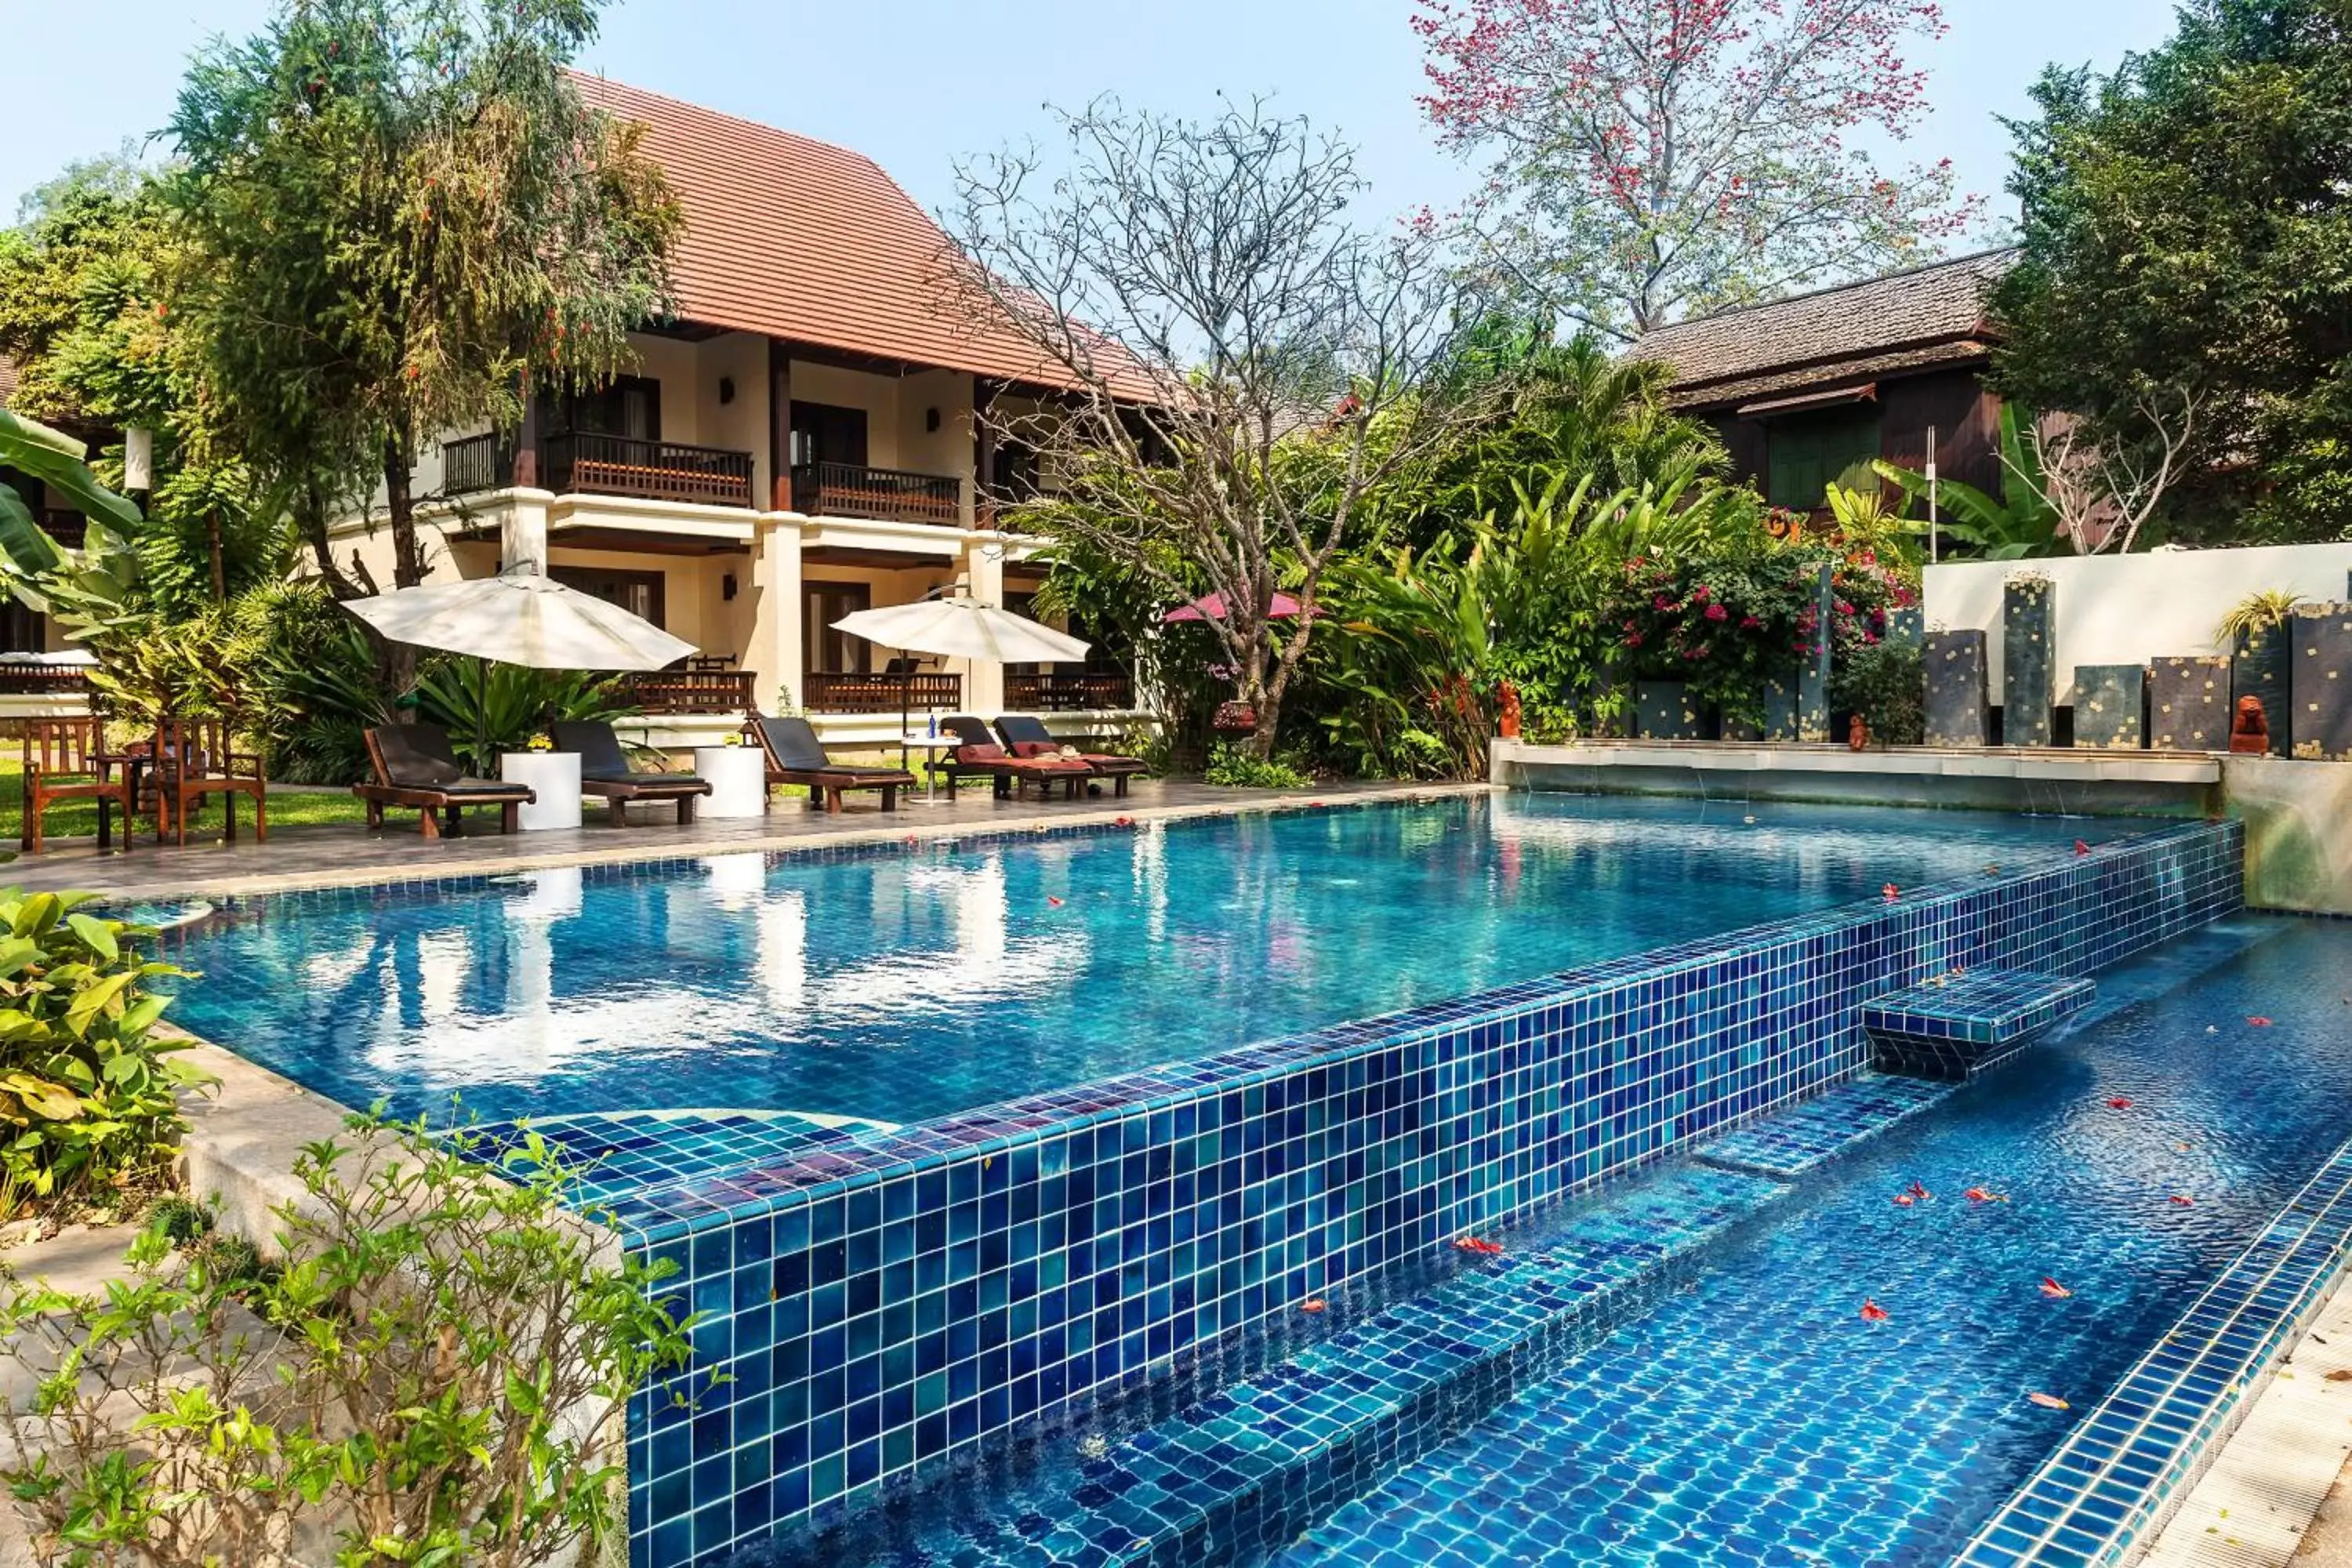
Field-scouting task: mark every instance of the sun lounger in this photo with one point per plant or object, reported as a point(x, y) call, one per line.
point(414, 767)
point(796, 756)
point(604, 771)
point(1026, 736)
point(982, 755)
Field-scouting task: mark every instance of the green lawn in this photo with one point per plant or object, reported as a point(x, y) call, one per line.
point(79, 819)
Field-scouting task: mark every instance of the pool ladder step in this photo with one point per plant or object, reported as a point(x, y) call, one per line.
point(1957, 1025)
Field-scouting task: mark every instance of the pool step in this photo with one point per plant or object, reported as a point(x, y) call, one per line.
point(1790, 1142)
point(1957, 1025)
point(1263, 1458)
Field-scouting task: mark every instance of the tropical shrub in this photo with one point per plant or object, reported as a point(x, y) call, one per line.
point(1884, 681)
point(314, 682)
point(437, 1375)
point(492, 708)
point(88, 1091)
point(1234, 768)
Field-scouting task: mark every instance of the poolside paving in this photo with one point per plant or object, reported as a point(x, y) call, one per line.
point(345, 854)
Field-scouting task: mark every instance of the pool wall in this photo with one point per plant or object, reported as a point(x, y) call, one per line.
point(880, 1306)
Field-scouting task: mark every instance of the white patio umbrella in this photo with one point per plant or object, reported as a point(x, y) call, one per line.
point(960, 627)
point(522, 617)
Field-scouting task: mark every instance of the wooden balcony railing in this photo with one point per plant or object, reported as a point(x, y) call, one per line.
point(846, 489)
point(693, 691)
point(826, 693)
point(1069, 693)
point(475, 463)
point(588, 462)
point(28, 679)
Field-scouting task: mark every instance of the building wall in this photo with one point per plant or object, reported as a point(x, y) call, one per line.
point(2129, 609)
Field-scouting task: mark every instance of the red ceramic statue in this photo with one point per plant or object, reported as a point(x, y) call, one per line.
point(1857, 733)
point(2250, 733)
point(1506, 711)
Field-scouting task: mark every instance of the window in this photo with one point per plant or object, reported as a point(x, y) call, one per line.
point(831, 652)
point(630, 405)
point(639, 593)
point(825, 434)
point(1805, 451)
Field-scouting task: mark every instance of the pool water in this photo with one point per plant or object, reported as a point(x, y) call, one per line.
point(1755, 1418)
point(910, 985)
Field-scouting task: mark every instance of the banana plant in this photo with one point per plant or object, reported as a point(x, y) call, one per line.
point(87, 589)
point(2021, 523)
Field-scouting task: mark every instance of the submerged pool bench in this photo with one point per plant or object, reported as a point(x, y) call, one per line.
point(1956, 1026)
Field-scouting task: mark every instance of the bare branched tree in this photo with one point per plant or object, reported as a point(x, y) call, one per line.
point(2104, 492)
point(1245, 364)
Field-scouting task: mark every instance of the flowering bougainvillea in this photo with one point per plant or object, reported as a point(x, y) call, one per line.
point(1653, 158)
point(1727, 618)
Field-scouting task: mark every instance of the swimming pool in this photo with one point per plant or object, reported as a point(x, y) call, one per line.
point(1720, 1400)
point(904, 984)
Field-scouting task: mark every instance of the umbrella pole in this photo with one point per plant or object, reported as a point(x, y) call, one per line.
point(482, 715)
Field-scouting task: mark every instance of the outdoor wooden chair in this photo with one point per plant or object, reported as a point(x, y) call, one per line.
point(65, 760)
point(796, 756)
point(415, 767)
point(604, 771)
point(1026, 736)
point(192, 758)
point(983, 755)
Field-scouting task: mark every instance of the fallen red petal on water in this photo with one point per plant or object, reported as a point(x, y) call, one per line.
point(1314, 803)
point(1872, 1312)
point(2184, 1199)
point(1478, 1243)
point(1984, 1196)
point(2259, 1023)
point(1053, 900)
point(2081, 847)
point(1919, 1191)
point(1313, 1304)
point(2119, 1103)
point(1892, 892)
point(1123, 822)
point(2052, 1288)
point(911, 839)
point(2048, 1401)
point(1903, 1200)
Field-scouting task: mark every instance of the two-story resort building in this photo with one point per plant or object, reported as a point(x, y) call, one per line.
point(802, 440)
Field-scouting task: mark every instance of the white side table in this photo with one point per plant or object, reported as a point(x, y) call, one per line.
point(738, 776)
point(556, 776)
point(934, 746)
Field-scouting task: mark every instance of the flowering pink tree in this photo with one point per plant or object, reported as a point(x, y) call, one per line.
point(1656, 158)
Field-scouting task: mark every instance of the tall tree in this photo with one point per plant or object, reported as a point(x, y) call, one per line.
point(2188, 236)
point(83, 316)
point(1656, 158)
point(403, 219)
point(1243, 358)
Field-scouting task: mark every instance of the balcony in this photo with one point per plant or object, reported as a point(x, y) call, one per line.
point(585, 462)
point(886, 495)
point(1069, 693)
point(861, 693)
point(692, 691)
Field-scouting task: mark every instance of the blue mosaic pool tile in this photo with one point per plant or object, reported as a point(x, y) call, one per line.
point(2129, 1461)
point(1256, 1461)
point(1957, 1025)
point(908, 1295)
point(1791, 1141)
point(611, 1154)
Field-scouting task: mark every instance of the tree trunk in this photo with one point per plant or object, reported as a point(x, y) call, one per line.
point(212, 540)
point(323, 549)
point(407, 560)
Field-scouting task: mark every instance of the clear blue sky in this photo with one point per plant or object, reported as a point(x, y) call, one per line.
point(913, 83)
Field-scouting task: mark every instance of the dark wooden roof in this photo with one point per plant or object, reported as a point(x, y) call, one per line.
point(1922, 319)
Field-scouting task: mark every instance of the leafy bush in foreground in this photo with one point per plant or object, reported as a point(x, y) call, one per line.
point(88, 1093)
point(431, 1372)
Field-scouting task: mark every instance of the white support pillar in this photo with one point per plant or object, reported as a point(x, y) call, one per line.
point(984, 683)
point(772, 652)
point(522, 532)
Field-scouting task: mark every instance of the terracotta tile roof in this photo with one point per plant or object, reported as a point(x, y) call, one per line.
point(797, 238)
point(1831, 330)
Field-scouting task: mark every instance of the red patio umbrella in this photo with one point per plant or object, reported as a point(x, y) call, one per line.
point(1212, 607)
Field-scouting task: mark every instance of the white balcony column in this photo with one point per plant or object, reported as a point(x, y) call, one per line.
point(983, 681)
point(772, 652)
point(522, 532)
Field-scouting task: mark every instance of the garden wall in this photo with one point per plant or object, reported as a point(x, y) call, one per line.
point(2129, 609)
point(881, 1307)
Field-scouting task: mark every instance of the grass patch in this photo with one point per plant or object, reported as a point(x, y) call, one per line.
point(79, 819)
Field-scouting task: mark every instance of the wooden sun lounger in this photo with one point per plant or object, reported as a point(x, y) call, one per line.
point(604, 771)
point(1025, 736)
point(981, 754)
point(796, 757)
point(414, 767)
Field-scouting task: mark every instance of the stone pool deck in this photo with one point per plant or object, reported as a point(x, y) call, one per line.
point(346, 855)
